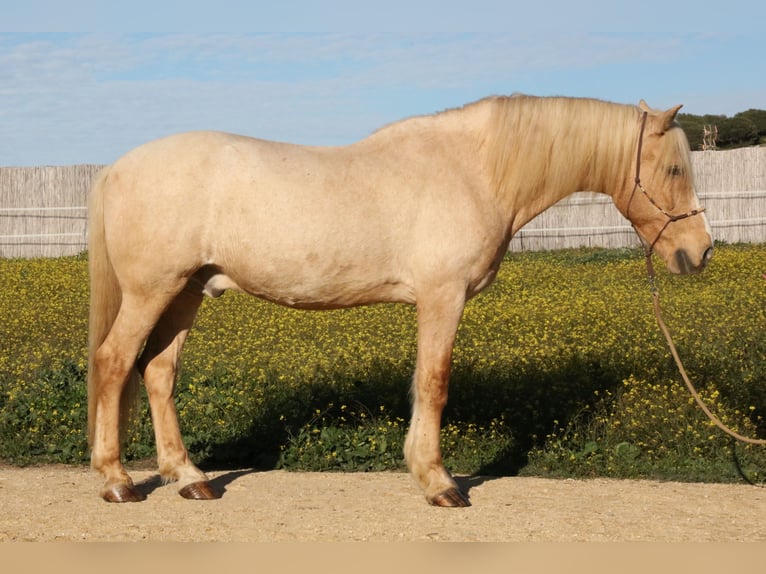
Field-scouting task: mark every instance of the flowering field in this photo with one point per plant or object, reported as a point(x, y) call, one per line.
point(559, 369)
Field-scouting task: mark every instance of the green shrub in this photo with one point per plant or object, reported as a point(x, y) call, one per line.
point(45, 419)
point(648, 430)
point(549, 366)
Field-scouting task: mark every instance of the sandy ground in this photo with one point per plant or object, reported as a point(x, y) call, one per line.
point(61, 503)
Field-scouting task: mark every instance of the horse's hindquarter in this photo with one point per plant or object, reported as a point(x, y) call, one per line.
point(310, 227)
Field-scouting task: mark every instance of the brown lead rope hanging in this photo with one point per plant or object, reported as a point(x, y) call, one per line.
point(656, 294)
point(679, 364)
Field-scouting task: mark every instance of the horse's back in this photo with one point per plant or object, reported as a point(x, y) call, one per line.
point(219, 166)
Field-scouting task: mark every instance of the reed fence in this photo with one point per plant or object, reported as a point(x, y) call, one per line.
point(731, 185)
point(43, 209)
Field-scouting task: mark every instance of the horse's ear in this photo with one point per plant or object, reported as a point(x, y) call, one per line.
point(661, 121)
point(669, 117)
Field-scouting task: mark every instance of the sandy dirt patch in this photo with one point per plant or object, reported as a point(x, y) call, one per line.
point(61, 503)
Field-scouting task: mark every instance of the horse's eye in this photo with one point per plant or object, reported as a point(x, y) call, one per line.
point(675, 170)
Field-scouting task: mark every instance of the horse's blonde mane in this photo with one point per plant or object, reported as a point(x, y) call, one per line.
point(539, 144)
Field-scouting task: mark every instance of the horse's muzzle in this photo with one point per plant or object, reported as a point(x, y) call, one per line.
point(687, 266)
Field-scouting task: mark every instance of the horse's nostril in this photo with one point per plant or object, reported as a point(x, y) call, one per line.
point(686, 265)
point(683, 263)
point(707, 256)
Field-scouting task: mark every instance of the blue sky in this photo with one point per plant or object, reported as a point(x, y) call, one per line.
point(88, 97)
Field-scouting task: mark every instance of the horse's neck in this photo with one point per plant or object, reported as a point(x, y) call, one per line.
point(532, 172)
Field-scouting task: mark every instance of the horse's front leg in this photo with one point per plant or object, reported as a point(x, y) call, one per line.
point(438, 317)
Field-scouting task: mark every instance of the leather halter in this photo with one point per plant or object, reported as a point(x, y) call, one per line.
point(637, 185)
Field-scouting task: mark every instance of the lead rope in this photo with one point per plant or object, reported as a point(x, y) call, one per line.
point(679, 363)
point(656, 293)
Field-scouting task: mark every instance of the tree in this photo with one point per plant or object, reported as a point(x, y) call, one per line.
point(737, 132)
point(744, 129)
point(758, 117)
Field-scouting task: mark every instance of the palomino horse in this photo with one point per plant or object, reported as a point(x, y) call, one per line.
point(420, 212)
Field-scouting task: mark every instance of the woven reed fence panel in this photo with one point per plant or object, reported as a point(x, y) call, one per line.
point(731, 185)
point(43, 209)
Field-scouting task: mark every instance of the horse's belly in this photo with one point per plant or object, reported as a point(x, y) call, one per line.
point(334, 297)
point(304, 290)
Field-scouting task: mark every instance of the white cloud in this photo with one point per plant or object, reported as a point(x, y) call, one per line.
point(88, 98)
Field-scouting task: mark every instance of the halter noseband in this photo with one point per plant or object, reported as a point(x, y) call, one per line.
point(637, 185)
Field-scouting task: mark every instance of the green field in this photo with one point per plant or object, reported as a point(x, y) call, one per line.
point(559, 370)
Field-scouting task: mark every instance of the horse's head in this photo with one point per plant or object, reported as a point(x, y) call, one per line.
point(661, 202)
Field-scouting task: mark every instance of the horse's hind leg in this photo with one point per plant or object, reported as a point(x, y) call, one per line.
point(113, 378)
point(159, 366)
point(439, 313)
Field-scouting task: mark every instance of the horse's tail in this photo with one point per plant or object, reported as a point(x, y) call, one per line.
point(105, 300)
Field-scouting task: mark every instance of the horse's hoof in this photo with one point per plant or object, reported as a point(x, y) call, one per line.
point(201, 490)
point(452, 498)
point(122, 493)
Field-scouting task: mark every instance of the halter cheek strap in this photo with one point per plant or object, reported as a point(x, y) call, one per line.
point(637, 185)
